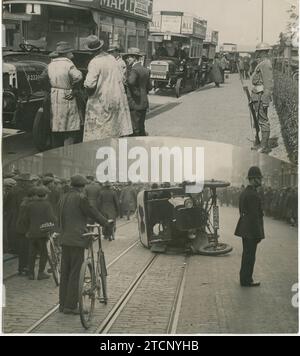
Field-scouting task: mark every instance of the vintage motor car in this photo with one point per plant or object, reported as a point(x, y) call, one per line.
point(169, 73)
point(22, 92)
point(26, 105)
point(174, 218)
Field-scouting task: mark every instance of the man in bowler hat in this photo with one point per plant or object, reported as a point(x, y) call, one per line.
point(250, 226)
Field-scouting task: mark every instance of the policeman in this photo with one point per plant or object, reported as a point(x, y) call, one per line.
point(75, 210)
point(250, 226)
point(262, 91)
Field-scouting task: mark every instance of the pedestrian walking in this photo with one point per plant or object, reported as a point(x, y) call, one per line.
point(65, 114)
point(107, 111)
point(216, 71)
point(128, 200)
point(262, 91)
point(138, 87)
point(108, 205)
point(74, 212)
point(250, 226)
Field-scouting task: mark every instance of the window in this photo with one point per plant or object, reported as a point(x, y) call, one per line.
point(131, 34)
point(106, 30)
point(13, 37)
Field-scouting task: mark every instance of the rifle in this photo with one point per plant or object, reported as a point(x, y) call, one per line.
point(253, 115)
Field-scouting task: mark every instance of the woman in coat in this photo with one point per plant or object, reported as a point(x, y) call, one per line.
point(216, 71)
point(107, 110)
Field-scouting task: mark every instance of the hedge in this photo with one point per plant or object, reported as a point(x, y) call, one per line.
point(286, 103)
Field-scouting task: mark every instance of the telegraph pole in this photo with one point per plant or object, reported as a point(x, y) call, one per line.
point(262, 20)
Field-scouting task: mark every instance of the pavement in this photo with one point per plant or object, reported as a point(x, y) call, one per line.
point(213, 114)
point(209, 113)
point(213, 301)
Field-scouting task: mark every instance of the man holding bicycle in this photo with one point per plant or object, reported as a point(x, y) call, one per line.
point(74, 212)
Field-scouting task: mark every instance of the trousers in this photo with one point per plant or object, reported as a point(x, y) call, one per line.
point(71, 262)
point(248, 260)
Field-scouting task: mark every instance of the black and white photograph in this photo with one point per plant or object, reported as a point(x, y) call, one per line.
point(149, 169)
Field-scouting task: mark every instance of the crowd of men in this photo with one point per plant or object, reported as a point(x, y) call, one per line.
point(279, 203)
point(111, 101)
point(19, 189)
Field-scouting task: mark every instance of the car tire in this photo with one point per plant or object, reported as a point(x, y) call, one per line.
point(178, 87)
point(40, 131)
point(211, 250)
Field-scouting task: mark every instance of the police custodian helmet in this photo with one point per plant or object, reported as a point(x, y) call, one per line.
point(254, 172)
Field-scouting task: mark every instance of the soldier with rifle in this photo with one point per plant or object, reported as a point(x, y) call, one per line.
point(261, 96)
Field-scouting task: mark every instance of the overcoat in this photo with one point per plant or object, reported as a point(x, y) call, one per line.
point(250, 224)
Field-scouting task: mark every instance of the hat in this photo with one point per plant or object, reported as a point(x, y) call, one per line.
point(24, 177)
point(63, 48)
point(93, 43)
point(49, 174)
point(47, 180)
point(9, 182)
point(78, 181)
point(133, 51)
point(41, 191)
point(113, 49)
point(254, 172)
point(9, 175)
point(263, 47)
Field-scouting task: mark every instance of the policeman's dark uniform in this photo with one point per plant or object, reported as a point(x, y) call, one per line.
point(250, 227)
point(75, 210)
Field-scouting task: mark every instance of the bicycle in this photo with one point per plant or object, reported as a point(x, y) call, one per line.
point(54, 256)
point(93, 277)
point(53, 250)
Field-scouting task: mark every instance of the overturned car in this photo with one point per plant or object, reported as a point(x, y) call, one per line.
point(174, 218)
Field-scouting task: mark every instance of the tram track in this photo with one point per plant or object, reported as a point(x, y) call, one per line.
point(53, 310)
point(15, 274)
point(112, 318)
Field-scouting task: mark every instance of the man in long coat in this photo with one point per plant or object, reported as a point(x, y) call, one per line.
point(128, 200)
point(65, 115)
point(250, 226)
point(108, 205)
point(107, 111)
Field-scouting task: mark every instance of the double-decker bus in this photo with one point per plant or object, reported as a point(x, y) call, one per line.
point(42, 23)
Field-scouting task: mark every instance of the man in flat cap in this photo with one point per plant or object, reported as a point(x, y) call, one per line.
point(74, 212)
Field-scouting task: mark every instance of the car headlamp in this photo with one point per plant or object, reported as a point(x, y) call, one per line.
point(188, 203)
point(181, 68)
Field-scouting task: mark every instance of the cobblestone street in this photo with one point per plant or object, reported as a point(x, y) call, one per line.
point(213, 301)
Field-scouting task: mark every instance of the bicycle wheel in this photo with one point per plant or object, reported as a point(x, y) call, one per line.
point(86, 294)
point(103, 277)
point(54, 262)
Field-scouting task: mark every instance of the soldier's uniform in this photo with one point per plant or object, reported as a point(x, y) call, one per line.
point(262, 91)
point(250, 228)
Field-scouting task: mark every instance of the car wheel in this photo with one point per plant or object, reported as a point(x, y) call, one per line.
point(40, 131)
point(178, 87)
point(215, 250)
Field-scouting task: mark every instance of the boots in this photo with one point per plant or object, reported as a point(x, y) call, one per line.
point(265, 148)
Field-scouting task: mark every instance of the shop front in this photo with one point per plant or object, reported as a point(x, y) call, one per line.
point(42, 24)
